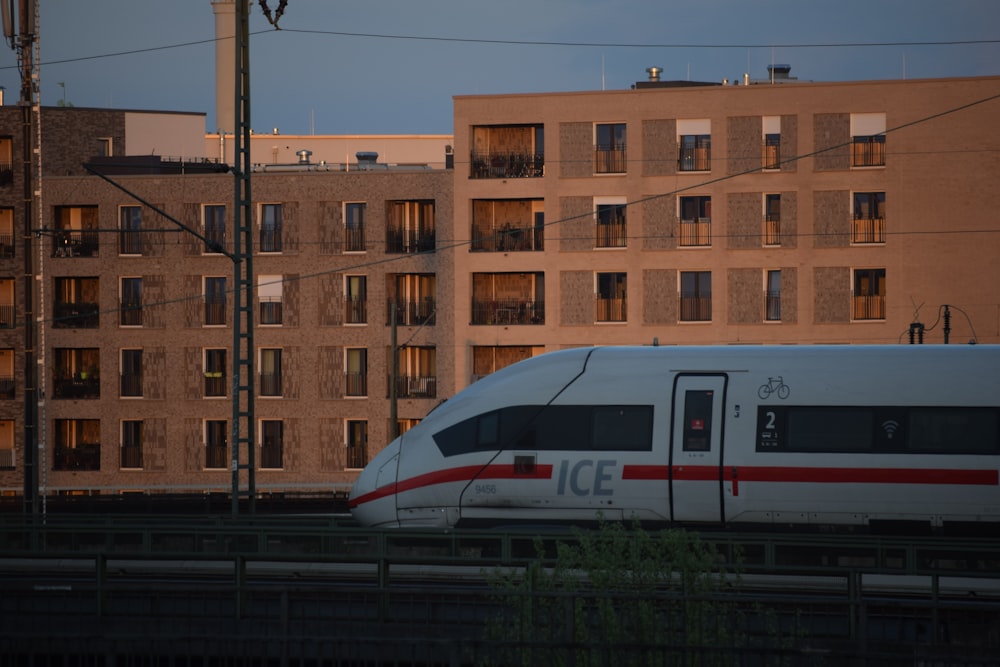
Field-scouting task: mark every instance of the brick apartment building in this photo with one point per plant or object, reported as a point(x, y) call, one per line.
point(792, 213)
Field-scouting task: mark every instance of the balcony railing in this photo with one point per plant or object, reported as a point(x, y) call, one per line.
point(215, 383)
point(6, 173)
point(355, 310)
point(76, 315)
point(130, 314)
point(868, 230)
point(509, 237)
point(610, 310)
point(270, 239)
point(772, 230)
point(271, 310)
point(131, 456)
point(76, 386)
point(129, 242)
point(7, 459)
point(696, 308)
point(507, 165)
point(868, 151)
point(356, 384)
point(215, 310)
point(408, 241)
point(6, 387)
point(354, 239)
point(270, 456)
point(507, 311)
point(270, 384)
point(357, 457)
point(696, 232)
point(82, 243)
point(610, 234)
point(130, 384)
point(216, 456)
point(869, 307)
point(416, 386)
point(6, 246)
point(215, 239)
point(7, 315)
point(771, 158)
point(772, 306)
point(412, 312)
point(609, 160)
point(85, 456)
point(695, 159)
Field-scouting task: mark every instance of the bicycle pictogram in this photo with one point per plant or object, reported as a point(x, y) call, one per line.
point(775, 385)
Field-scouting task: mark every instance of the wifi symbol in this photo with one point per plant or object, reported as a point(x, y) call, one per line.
point(890, 427)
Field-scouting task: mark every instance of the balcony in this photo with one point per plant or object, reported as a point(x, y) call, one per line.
point(130, 314)
point(772, 306)
point(271, 456)
point(868, 307)
point(416, 386)
point(610, 160)
point(6, 246)
point(772, 230)
point(610, 309)
point(507, 311)
point(355, 310)
point(215, 310)
point(868, 151)
point(867, 230)
point(216, 457)
point(77, 385)
point(509, 237)
point(130, 385)
point(507, 164)
point(771, 158)
point(696, 308)
point(270, 384)
point(356, 384)
point(413, 312)
point(408, 241)
point(270, 310)
point(129, 243)
point(354, 239)
point(76, 315)
point(270, 239)
point(7, 316)
point(611, 234)
point(7, 459)
point(215, 383)
point(86, 456)
point(6, 172)
point(6, 387)
point(82, 243)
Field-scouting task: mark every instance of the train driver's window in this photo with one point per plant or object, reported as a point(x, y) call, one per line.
point(697, 420)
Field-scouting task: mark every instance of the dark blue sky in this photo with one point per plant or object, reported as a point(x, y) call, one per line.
point(370, 78)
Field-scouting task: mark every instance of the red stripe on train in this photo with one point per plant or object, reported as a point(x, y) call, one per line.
point(816, 475)
point(461, 474)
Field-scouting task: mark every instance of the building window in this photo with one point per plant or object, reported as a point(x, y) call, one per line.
point(356, 300)
point(270, 228)
point(869, 294)
point(771, 158)
point(77, 444)
point(868, 224)
point(215, 372)
point(76, 232)
point(6, 160)
point(7, 444)
point(867, 139)
point(417, 368)
point(488, 359)
point(357, 444)
point(696, 296)
point(695, 221)
point(131, 451)
point(357, 372)
point(410, 226)
point(270, 372)
point(354, 226)
point(130, 230)
point(695, 152)
point(610, 225)
point(772, 296)
point(609, 151)
point(77, 303)
point(7, 313)
point(130, 381)
point(272, 443)
point(411, 295)
point(611, 305)
point(76, 372)
point(772, 220)
point(130, 309)
point(269, 297)
point(216, 444)
point(215, 300)
point(214, 223)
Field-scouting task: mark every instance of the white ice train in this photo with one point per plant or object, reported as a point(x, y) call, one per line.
point(787, 436)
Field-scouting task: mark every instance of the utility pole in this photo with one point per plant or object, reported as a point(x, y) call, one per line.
point(22, 39)
point(243, 348)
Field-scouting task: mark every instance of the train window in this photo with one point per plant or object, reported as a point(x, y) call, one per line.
point(829, 429)
point(697, 420)
point(622, 427)
point(953, 430)
point(488, 430)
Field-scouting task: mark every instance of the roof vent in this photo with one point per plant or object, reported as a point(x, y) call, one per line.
point(366, 159)
point(304, 156)
point(654, 73)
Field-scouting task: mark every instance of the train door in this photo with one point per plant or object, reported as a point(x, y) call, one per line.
point(696, 448)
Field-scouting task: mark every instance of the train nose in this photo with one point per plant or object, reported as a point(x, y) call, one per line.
point(373, 496)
